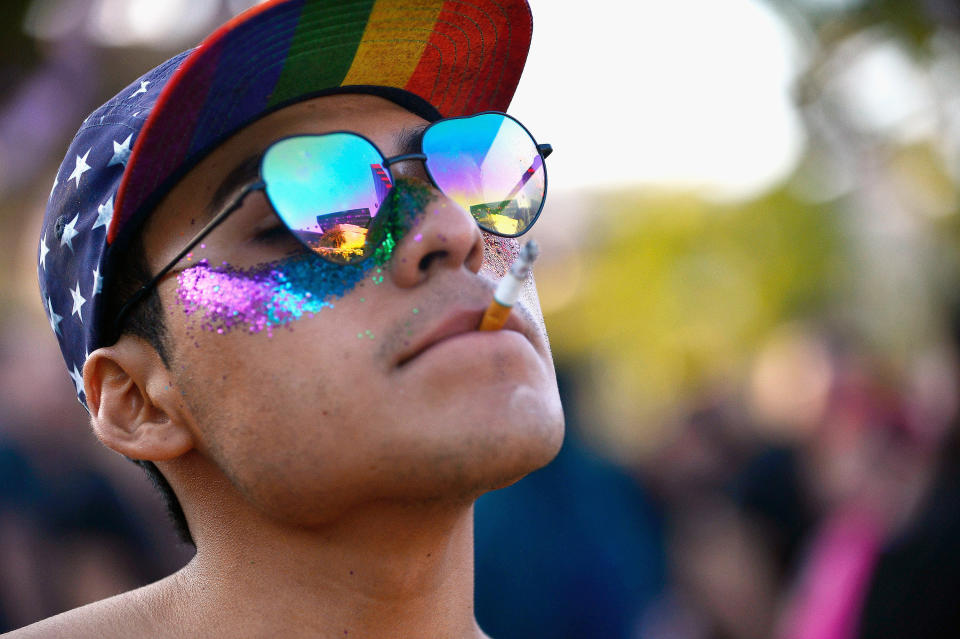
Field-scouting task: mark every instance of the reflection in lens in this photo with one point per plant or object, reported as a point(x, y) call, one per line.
point(328, 189)
point(489, 165)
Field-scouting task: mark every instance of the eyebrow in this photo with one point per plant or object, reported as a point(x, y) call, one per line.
point(239, 176)
point(408, 139)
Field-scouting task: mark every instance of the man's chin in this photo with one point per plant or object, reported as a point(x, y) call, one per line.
point(491, 456)
point(527, 444)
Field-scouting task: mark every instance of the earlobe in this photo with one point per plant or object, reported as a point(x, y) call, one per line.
point(134, 407)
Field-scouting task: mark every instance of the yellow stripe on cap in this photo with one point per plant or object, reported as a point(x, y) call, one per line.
point(380, 42)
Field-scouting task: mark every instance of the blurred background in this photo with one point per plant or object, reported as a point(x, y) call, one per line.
point(750, 274)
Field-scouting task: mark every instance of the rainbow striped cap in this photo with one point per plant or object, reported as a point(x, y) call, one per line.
point(449, 57)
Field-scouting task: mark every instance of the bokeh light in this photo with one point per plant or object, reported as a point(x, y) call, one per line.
point(684, 94)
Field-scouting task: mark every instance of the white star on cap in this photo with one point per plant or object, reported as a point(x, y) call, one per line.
point(80, 168)
point(56, 181)
point(77, 378)
point(70, 232)
point(43, 251)
point(78, 302)
point(54, 318)
point(142, 89)
point(121, 152)
point(97, 282)
point(104, 214)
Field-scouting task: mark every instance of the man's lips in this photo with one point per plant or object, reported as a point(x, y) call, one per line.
point(457, 323)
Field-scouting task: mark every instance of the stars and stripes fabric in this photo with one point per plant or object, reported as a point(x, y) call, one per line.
point(79, 212)
point(451, 57)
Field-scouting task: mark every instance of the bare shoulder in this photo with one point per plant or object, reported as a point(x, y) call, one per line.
point(144, 612)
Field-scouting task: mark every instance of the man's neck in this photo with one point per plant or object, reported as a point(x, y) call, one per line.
point(381, 570)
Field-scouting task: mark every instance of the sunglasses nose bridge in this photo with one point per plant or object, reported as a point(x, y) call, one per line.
point(387, 162)
point(418, 169)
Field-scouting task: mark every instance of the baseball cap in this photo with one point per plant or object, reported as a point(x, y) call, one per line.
point(434, 57)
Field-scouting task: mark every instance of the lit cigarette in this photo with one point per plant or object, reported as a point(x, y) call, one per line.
point(508, 290)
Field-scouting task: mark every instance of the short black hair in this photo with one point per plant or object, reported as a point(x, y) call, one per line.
point(145, 320)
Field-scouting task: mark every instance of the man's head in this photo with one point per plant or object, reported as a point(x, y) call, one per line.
point(371, 385)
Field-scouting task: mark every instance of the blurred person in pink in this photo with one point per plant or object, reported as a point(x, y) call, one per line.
point(870, 493)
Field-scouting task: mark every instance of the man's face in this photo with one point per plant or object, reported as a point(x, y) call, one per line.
point(383, 392)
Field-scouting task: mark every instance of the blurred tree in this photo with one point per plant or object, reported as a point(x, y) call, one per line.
point(914, 22)
point(678, 291)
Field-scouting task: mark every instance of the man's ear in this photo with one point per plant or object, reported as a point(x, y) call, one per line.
point(134, 405)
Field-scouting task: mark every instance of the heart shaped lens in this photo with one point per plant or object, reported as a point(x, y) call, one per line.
point(488, 164)
point(328, 189)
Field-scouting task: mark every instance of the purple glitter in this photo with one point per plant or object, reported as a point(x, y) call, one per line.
point(276, 293)
point(264, 296)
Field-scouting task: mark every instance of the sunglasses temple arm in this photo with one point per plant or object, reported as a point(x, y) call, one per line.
point(218, 219)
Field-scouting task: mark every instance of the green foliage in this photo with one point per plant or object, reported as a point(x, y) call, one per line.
point(18, 53)
point(681, 291)
point(911, 21)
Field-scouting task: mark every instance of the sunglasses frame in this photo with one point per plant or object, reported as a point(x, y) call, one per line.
point(544, 150)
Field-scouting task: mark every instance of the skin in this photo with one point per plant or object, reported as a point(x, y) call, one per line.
point(328, 482)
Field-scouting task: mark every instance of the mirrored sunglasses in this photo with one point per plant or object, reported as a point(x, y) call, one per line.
point(328, 189)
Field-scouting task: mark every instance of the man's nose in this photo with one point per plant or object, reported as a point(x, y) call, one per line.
point(442, 234)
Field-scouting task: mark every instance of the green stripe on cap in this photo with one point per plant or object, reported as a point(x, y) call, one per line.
point(339, 23)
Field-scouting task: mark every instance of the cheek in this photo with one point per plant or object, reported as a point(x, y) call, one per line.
point(498, 254)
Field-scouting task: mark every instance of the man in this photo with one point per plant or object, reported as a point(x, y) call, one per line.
point(269, 257)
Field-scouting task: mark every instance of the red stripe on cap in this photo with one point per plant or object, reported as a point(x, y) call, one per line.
point(443, 75)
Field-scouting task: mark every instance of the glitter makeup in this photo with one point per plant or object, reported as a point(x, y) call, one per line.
point(276, 293)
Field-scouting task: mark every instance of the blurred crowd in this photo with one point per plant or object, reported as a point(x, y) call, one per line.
point(762, 436)
point(77, 524)
point(818, 501)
